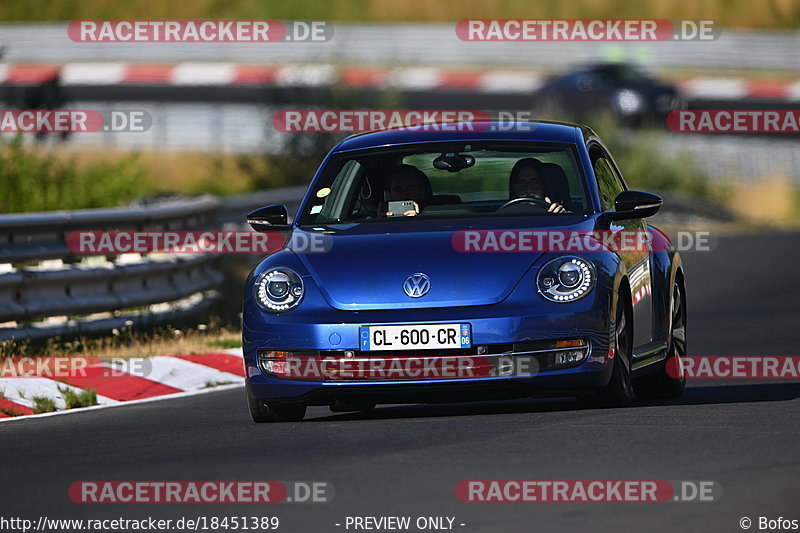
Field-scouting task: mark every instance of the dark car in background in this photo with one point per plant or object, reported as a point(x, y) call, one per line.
point(622, 90)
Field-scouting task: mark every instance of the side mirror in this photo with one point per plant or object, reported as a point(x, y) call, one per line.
point(270, 218)
point(635, 204)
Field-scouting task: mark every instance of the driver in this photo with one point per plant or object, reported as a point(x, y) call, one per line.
point(527, 181)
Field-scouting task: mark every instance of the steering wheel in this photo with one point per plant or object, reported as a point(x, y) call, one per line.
point(535, 201)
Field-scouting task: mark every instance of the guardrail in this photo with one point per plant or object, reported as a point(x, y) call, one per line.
point(42, 280)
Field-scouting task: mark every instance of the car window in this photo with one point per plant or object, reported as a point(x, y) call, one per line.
point(329, 201)
point(594, 80)
point(568, 81)
point(356, 187)
point(490, 179)
point(608, 182)
point(629, 74)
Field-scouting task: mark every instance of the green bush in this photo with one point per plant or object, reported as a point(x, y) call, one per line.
point(647, 167)
point(34, 180)
point(640, 158)
point(42, 404)
point(74, 399)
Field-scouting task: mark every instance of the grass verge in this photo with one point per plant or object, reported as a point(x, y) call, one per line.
point(129, 343)
point(35, 180)
point(48, 179)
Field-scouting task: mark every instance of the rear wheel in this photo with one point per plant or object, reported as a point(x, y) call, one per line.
point(662, 385)
point(260, 411)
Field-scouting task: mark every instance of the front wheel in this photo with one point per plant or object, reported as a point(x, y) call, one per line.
point(619, 391)
point(661, 385)
point(260, 411)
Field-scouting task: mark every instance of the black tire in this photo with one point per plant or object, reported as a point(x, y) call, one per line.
point(661, 385)
point(260, 411)
point(619, 391)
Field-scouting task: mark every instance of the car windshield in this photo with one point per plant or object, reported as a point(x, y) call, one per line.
point(626, 73)
point(437, 180)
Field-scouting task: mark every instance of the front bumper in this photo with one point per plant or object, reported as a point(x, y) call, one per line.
point(586, 319)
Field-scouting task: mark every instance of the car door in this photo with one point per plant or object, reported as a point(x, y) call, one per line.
point(637, 262)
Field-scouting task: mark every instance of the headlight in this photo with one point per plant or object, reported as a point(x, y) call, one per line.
point(566, 279)
point(278, 289)
point(628, 101)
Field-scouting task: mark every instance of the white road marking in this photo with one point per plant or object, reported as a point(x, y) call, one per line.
point(23, 390)
point(131, 402)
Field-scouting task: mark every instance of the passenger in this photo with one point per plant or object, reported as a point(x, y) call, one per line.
point(527, 180)
point(407, 182)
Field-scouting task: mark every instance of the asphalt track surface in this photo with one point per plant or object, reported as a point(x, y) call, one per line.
point(407, 460)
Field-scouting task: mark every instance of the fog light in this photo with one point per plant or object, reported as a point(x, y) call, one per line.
point(273, 366)
point(567, 357)
point(576, 350)
point(281, 363)
point(273, 361)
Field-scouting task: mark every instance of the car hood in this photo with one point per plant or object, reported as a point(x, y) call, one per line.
point(365, 265)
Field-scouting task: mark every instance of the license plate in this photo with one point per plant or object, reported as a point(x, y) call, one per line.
point(414, 337)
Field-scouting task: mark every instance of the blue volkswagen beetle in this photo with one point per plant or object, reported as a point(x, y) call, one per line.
point(463, 263)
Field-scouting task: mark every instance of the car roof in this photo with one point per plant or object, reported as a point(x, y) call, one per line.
point(539, 131)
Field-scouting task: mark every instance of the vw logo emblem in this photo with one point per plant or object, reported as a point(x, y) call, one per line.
point(417, 285)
